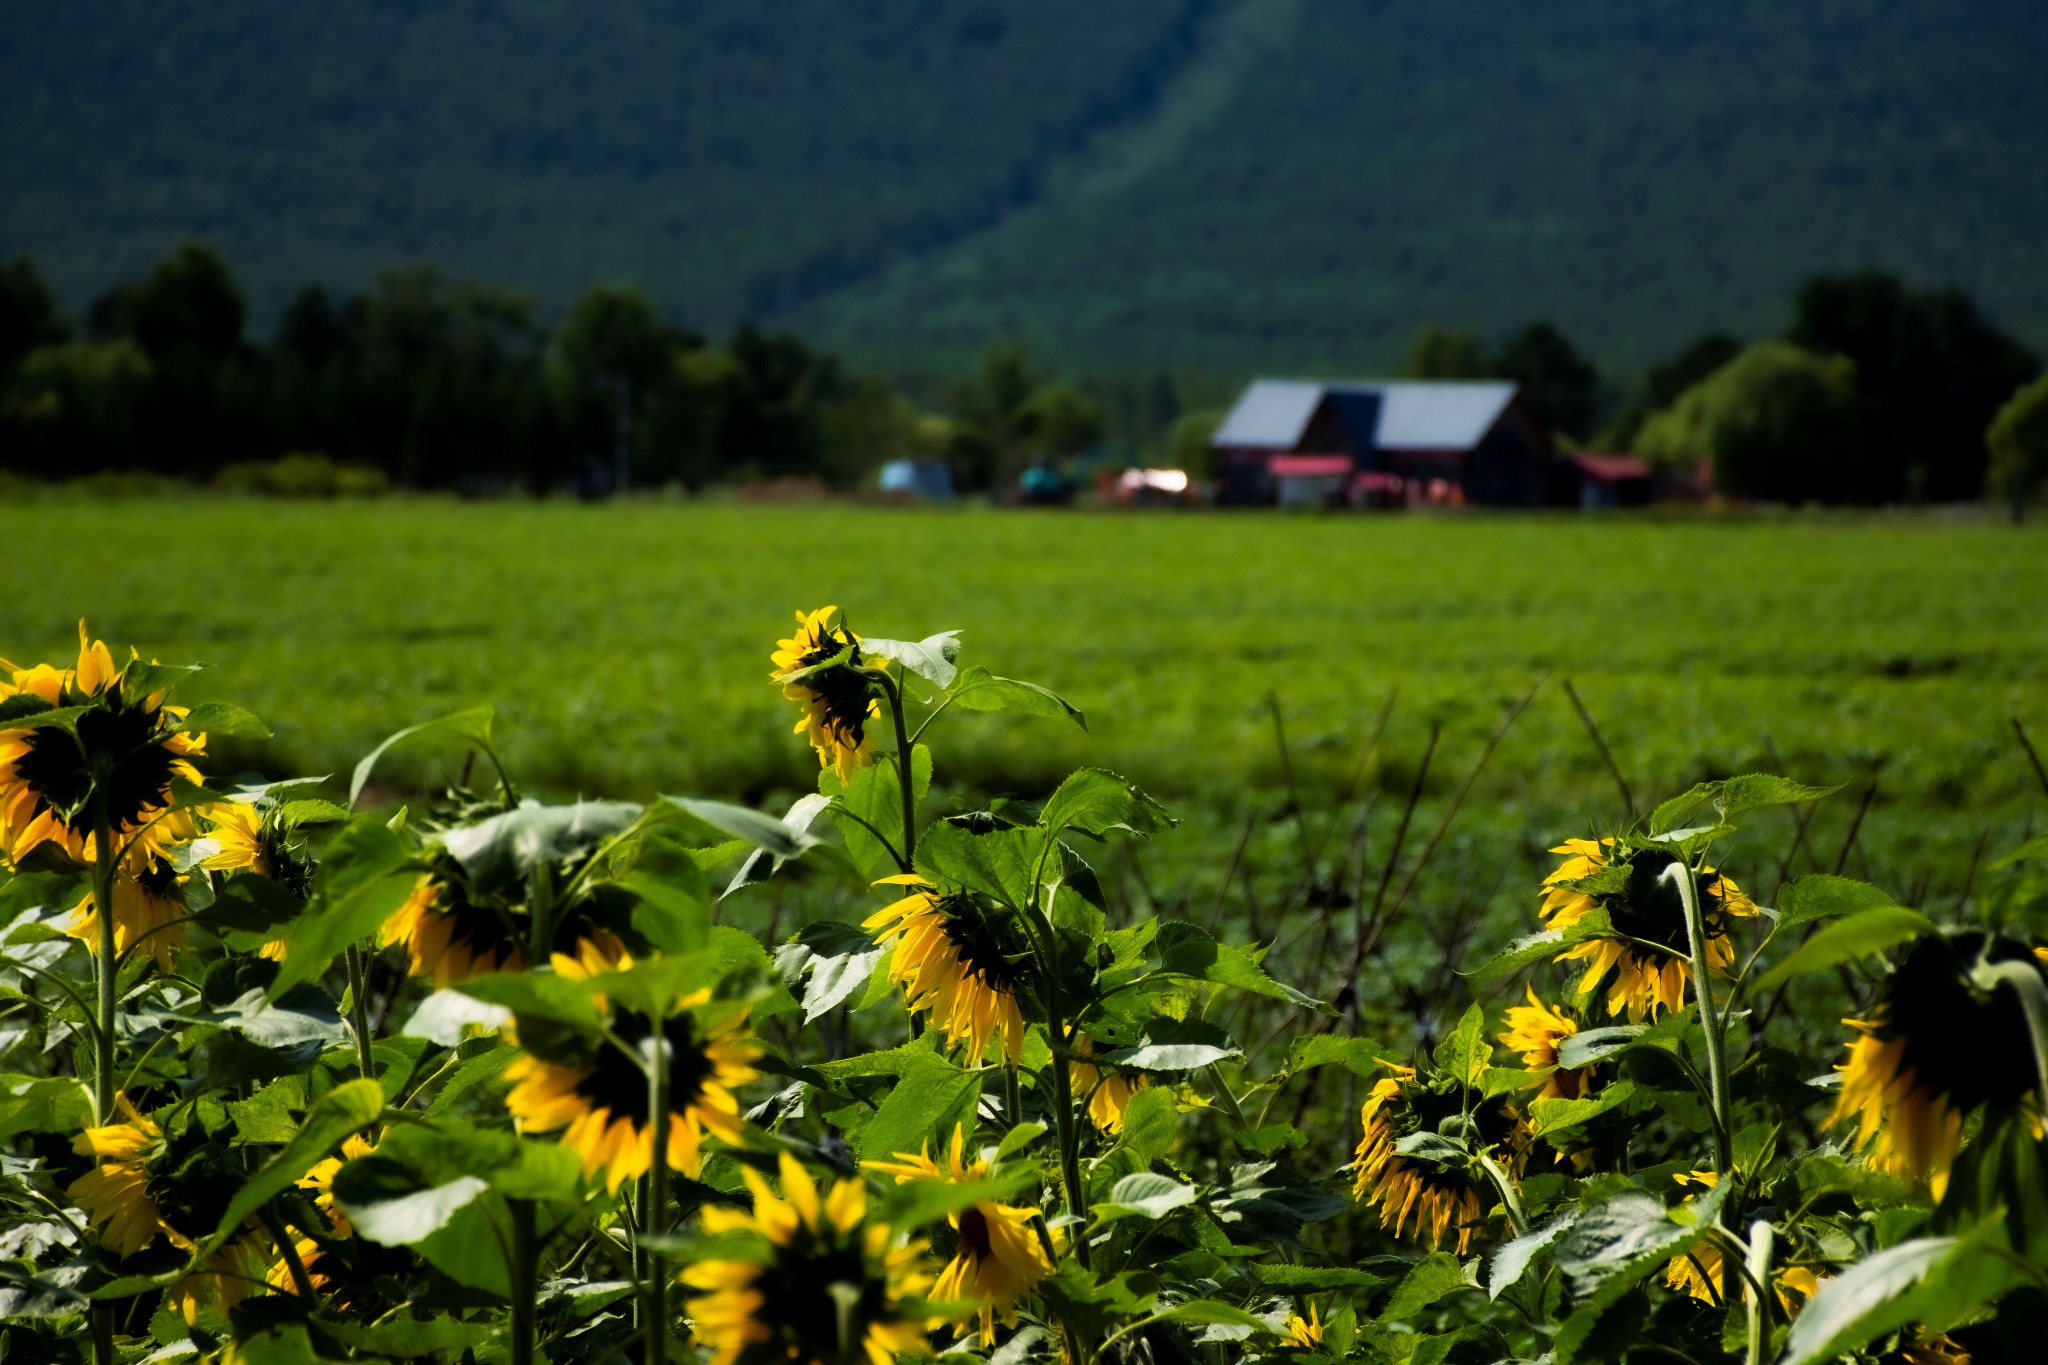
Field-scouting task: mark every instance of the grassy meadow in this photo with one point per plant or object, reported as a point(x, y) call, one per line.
point(626, 649)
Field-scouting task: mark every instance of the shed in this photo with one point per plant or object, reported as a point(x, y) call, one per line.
point(1588, 480)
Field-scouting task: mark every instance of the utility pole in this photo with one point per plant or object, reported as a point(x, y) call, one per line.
point(622, 456)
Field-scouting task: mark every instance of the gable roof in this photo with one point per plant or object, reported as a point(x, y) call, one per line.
point(1416, 414)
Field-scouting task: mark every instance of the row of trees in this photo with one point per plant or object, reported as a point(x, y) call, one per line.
point(1877, 393)
point(444, 384)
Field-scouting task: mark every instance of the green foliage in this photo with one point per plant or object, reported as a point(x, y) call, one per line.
point(2018, 440)
point(1778, 423)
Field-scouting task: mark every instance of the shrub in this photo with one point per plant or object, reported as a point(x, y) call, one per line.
point(2018, 439)
point(1778, 423)
point(301, 475)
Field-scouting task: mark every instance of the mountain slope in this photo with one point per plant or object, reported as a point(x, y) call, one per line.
point(1222, 186)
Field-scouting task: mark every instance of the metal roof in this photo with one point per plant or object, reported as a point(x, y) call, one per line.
point(1418, 414)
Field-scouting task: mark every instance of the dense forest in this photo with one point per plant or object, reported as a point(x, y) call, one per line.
point(1135, 186)
point(1875, 393)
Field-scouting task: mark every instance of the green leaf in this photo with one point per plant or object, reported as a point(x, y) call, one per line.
point(1555, 1115)
point(1821, 896)
point(1872, 931)
point(478, 1070)
point(1668, 814)
point(1631, 1231)
point(977, 689)
point(996, 862)
point(473, 725)
point(348, 1108)
point(1212, 1311)
point(1870, 1298)
point(1467, 1052)
point(43, 1104)
point(223, 718)
point(363, 879)
point(2033, 849)
point(1169, 1044)
point(1588, 1046)
point(837, 958)
point(761, 864)
point(917, 1203)
point(758, 828)
point(673, 910)
point(1018, 1138)
point(1151, 1122)
point(448, 1017)
point(1756, 791)
point(285, 1344)
point(1190, 950)
point(503, 850)
point(267, 1117)
point(1095, 801)
point(1544, 946)
point(1434, 1277)
point(921, 1110)
point(1359, 1056)
point(540, 995)
point(930, 658)
point(404, 1219)
point(411, 1338)
point(1146, 1194)
point(1513, 1260)
point(875, 795)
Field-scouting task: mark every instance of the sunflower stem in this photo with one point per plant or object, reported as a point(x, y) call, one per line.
point(1680, 873)
point(1759, 1258)
point(109, 961)
point(524, 1249)
point(1509, 1200)
point(654, 1222)
point(359, 1009)
point(904, 780)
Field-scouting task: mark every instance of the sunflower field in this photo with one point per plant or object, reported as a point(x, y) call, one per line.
point(477, 1077)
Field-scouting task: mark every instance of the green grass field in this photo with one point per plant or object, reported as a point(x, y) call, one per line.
point(626, 649)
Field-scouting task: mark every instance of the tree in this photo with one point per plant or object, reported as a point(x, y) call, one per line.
point(29, 316)
point(1559, 384)
point(613, 336)
point(1189, 446)
point(1058, 419)
point(1438, 353)
point(2018, 441)
point(74, 408)
point(1930, 373)
point(1778, 422)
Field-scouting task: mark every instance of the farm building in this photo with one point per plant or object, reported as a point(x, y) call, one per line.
point(1381, 443)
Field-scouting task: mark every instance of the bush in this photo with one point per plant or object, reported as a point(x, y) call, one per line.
point(302, 476)
point(2018, 439)
point(1779, 424)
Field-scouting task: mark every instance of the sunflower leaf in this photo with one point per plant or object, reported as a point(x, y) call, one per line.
point(930, 658)
point(348, 1108)
point(758, 828)
point(505, 848)
point(1187, 949)
point(1513, 1260)
point(1170, 1044)
point(1872, 931)
point(1146, 1194)
point(837, 958)
point(1588, 1046)
point(1821, 896)
point(362, 881)
point(1548, 944)
point(977, 689)
point(223, 718)
point(1096, 801)
point(1555, 1115)
point(43, 1104)
point(473, 725)
point(1758, 791)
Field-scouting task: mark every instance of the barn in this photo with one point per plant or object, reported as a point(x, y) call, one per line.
point(1381, 443)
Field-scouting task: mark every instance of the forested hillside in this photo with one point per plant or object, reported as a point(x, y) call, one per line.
point(1186, 184)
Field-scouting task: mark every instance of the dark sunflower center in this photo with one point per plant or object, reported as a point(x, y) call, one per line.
point(1650, 907)
point(984, 953)
point(192, 1183)
point(1971, 1047)
point(485, 935)
point(120, 739)
point(617, 1083)
point(820, 1299)
point(844, 692)
point(973, 1235)
point(159, 879)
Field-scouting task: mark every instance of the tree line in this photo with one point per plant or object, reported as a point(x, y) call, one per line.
point(436, 383)
point(1876, 393)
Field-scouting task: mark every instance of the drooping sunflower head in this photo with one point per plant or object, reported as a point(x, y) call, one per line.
point(1536, 1030)
point(821, 1284)
point(821, 670)
point(1106, 1091)
point(130, 737)
point(147, 1184)
point(1443, 1199)
point(1628, 881)
point(997, 1254)
point(598, 1095)
point(1940, 1044)
point(959, 957)
point(448, 936)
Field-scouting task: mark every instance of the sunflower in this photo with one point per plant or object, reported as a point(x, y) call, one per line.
point(827, 1290)
point(149, 905)
point(1108, 1093)
point(144, 1188)
point(320, 1180)
point(996, 1255)
point(235, 828)
point(1442, 1199)
point(837, 701)
point(953, 959)
point(1934, 1049)
point(46, 772)
point(1535, 1030)
point(1303, 1333)
point(1697, 1273)
point(449, 937)
point(600, 1101)
point(1645, 907)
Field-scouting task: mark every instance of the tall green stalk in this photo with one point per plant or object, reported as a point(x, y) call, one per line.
point(654, 1223)
point(904, 779)
point(359, 1009)
point(1710, 1014)
point(524, 1255)
point(109, 961)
